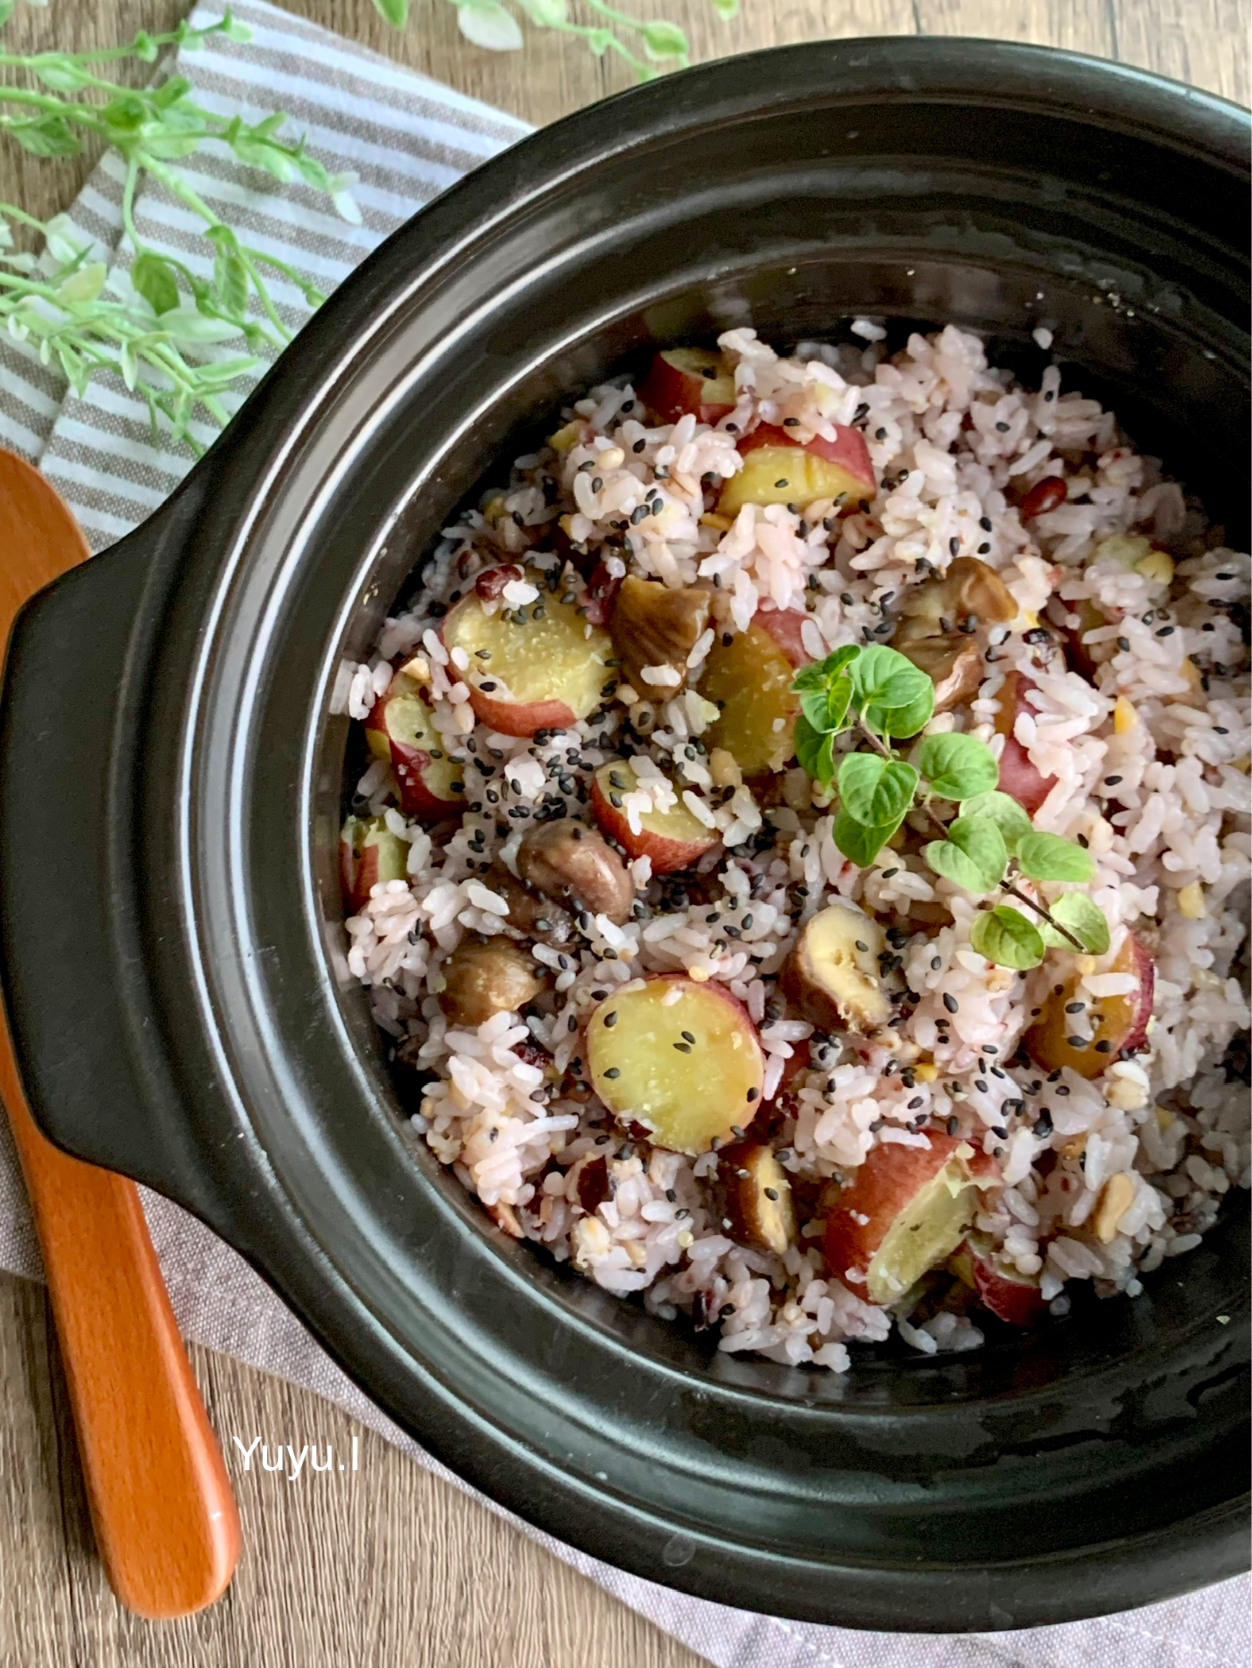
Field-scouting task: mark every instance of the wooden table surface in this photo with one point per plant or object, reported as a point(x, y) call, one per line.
point(389, 1565)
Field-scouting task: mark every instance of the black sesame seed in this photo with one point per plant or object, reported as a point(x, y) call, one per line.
point(1104, 1046)
point(752, 1094)
point(954, 546)
point(984, 521)
point(950, 1002)
point(952, 1124)
point(1076, 1042)
point(683, 1047)
point(1002, 428)
point(613, 1071)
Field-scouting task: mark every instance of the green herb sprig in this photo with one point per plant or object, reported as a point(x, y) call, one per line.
point(648, 45)
point(878, 693)
point(153, 330)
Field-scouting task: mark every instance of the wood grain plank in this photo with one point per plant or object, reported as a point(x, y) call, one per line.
point(392, 1565)
point(375, 1567)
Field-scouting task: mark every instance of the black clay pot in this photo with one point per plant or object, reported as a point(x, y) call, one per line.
point(170, 785)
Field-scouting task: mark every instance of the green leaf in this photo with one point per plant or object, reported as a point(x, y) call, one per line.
point(60, 72)
point(957, 766)
point(1083, 918)
point(170, 92)
point(1005, 812)
point(815, 706)
point(185, 324)
point(974, 855)
point(84, 284)
point(819, 673)
point(837, 703)
point(1007, 938)
point(826, 708)
point(664, 40)
point(60, 236)
point(859, 844)
point(395, 12)
point(48, 136)
point(218, 374)
point(548, 14)
point(124, 114)
point(258, 154)
point(883, 677)
point(129, 366)
point(487, 24)
point(815, 751)
point(874, 790)
point(906, 720)
point(154, 279)
point(230, 275)
point(1049, 857)
point(726, 8)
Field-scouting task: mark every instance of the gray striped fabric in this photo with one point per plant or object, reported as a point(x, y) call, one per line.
point(405, 137)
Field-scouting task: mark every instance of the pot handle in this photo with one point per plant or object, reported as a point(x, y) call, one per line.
point(73, 647)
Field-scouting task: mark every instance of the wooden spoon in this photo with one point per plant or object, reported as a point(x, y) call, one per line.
point(165, 1519)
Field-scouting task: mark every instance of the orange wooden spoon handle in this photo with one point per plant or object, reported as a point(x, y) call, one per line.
point(165, 1519)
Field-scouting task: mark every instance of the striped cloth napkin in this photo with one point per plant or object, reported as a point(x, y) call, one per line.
point(404, 137)
point(407, 138)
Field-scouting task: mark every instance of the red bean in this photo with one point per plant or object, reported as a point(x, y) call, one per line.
point(1045, 495)
point(593, 1184)
point(490, 584)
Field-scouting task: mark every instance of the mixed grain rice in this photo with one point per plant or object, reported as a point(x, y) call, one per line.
point(953, 442)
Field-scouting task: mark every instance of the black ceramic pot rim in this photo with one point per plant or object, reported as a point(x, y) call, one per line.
point(227, 514)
